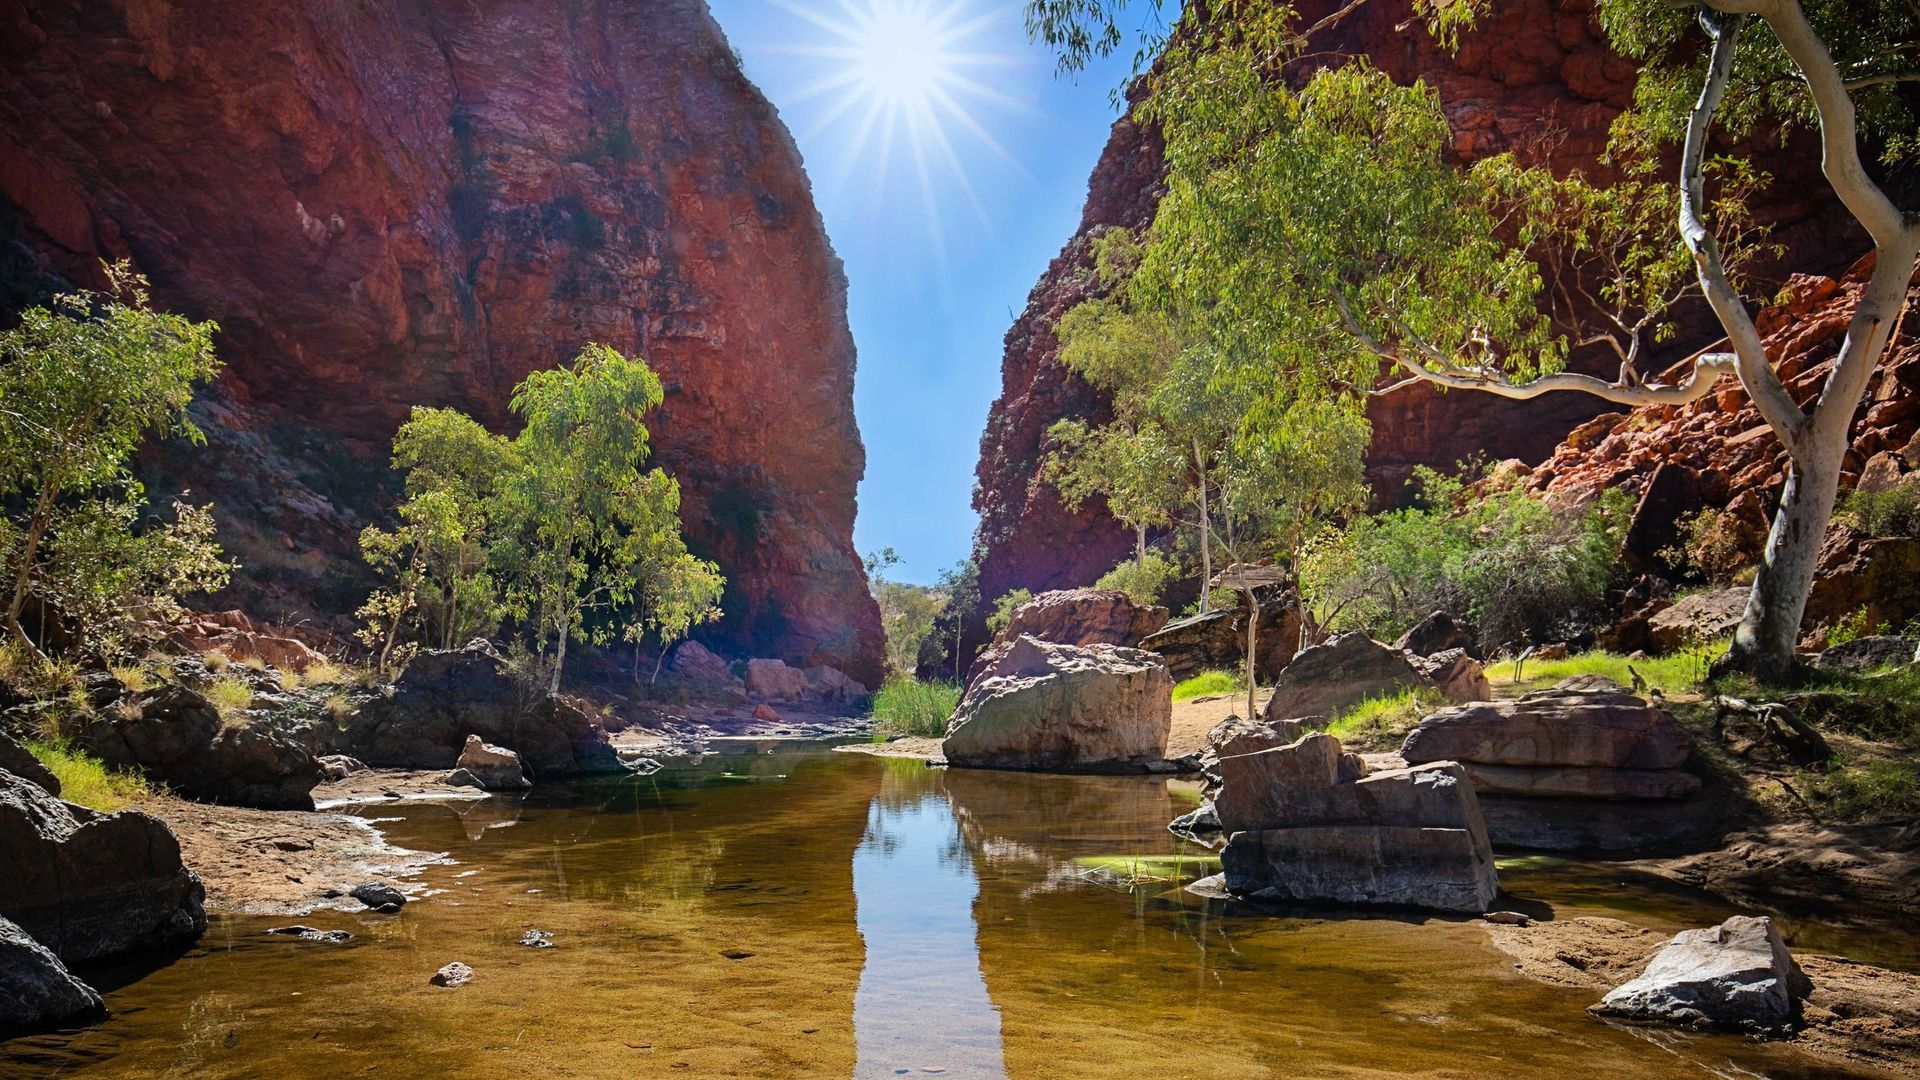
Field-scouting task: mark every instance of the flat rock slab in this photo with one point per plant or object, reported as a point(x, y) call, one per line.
point(1736, 975)
point(1553, 728)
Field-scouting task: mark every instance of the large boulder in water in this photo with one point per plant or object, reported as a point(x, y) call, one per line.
point(444, 697)
point(89, 885)
point(488, 767)
point(1065, 708)
point(175, 735)
point(1307, 822)
point(36, 989)
point(1335, 676)
point(1737, 975)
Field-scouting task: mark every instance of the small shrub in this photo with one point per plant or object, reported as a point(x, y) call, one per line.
point(86, 780)
point(133, 677)
point(1143, 581)
point(339, 706)
point(254, 663)
point(907, 706)
point(229, 695)
point(216, 660)
point(324, 673)
point(1209, 682)
point(1004, 608)
point(1852, 626)
point(1713, 546)
point(1889, 513)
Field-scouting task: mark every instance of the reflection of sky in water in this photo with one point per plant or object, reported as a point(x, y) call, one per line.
point(922, 1002)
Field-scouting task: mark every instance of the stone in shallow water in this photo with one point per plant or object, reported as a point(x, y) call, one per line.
point(1736, 975)
point(382, 898)
point(537, 939)
point(454, 974)
point(312, 933)
point(36, 989)
point(1065, 708)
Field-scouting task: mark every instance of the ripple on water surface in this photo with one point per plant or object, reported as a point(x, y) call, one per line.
point(798, 913)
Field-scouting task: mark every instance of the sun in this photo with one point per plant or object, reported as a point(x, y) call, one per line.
point(904, 79)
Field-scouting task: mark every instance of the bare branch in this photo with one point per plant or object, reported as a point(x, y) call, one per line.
point(1706, 371)
point(1882, 77)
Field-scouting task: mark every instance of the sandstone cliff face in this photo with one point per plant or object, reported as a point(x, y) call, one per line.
point(1531, 68)
point(387, 204)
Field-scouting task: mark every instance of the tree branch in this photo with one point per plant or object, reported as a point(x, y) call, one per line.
point(1876, 79)
point(1763, 386)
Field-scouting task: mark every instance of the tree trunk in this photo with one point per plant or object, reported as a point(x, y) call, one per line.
point(36, 530)
point(1253, 646)
point(1140, 544)
point(1206, 530)
point(559, 661)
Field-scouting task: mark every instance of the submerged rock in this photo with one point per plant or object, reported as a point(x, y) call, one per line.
point(1736, 975)
point(1065, 708)
point(488, 767)
point(1339, 674)
point(1307, 822)
point(88, 885)
point(175, 735)
point(36, 989)
point(454, 974)
point(312, 933)
point(382, 898)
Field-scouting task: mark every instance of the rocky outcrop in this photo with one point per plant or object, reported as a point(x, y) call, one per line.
point(1085, 617)
point(1454, 673)
point(446, 697)
point(238, 636)
point(1737, 976)
point(1696, 619)
point(1862, 654)
point(1217, 641)
point(1335, 676)
point(1437, 633)
point(175, 735)
point(1307, 822)
point(36, 989)
point(386, 205)
point(1064, 708)
point(774, 680)
point(1568, 768)
point(19, 761)
point(488, 767)
point(89, 886)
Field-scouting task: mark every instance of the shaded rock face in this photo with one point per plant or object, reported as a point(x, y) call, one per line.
point(36, 989)
point(89, 886)
point(1566, 769)
point(389, 204)
point(176, 736)
point(1064, 708)
point(1437, 633)
point(1218, 641)
point(1535, 78)
point(1307, 822)
point(1696, 619)
point(19, 761)
point(1866, 654)
point(1737, 975)
point(446, 697)
point(1455, 674)
point(1339, 674)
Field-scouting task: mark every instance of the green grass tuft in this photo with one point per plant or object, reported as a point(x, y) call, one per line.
point(86, 780)
point(1672, 674)
point(1209, 682)
point(907, 706)
point(1385, 720)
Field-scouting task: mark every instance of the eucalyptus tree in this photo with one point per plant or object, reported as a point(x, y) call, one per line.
point(1330, 221)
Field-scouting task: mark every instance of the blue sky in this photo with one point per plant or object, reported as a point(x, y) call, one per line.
point(937, 267)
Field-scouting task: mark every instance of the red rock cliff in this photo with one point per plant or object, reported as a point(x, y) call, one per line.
point(1532, 67)
point(390, 203)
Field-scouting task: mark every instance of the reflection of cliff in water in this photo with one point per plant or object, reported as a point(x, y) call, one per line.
point(1028, 822)
point(922, 1003)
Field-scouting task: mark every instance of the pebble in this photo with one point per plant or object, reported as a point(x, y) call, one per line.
point(454, 974)
point(537, 939)
point(1508, 918)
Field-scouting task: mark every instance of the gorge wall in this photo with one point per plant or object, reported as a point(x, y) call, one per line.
point(387, 203)
point(1536, 78)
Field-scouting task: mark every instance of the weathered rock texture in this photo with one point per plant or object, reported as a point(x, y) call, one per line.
point(488, 767)
point(1307, 822)
point(1084, 617)
point(1536, 78)
point(175, 735)
point(1064, 708)
point(387, 204)
point(89, 886)
point(1736, 975)
point(36, 989)
point(1339, 674)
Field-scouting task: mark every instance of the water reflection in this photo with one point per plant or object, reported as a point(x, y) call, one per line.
point(922, 1003)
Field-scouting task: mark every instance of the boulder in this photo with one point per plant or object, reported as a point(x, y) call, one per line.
point(1558, 650)
point(382, 898)
point(88, 885)
point(1084, 617)
point(1236, 736)
point(340, 766)
point(19, 761)
point(446, 696)
point(1437, 633)
point(1456, 674)
point(1672, 493)
point(176, 736)
point(1858, 575)
point(834, 686)
point(1553, 728)
point(1332, 677)
point(36, 989)
point(1695, 619)
point(1218, 641)
point(489, 767)
point(766, 713)
point(775, 681)
point(237, 636)
point(1308, 822)
point(694, 663)
point(1868, 653)
point(1064, 708)
point(1738, 975)
point(454, 974)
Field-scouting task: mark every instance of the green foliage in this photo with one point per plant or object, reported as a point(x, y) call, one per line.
point(82, 382)
point(1854, 788)
point(907, 612)
point(1714, 547)
point(558, 528)
point(906, 706)
point(1892, 512)
point(1516, 568)
point(1003, 610)
point(86, 780)
point(1209, 683)
point(1142, 579)
point(1674, 673)
point(1385, 720)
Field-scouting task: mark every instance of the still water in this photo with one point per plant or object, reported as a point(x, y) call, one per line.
point(786, 911)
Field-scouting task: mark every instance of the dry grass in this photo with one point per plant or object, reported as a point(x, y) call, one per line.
point(231, 696)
